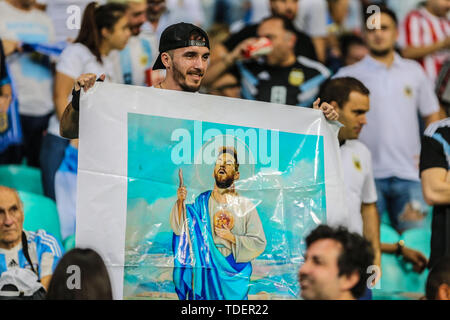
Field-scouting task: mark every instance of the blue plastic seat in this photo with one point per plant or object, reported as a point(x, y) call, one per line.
point(392, 279)
point(21, 177)
point(398, 275)
point(417, 239)
point(40, 213)
point(69, 242)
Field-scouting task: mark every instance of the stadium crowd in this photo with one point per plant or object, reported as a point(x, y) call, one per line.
point(383, 71)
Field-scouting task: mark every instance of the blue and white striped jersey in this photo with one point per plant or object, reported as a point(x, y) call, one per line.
point(45, 252)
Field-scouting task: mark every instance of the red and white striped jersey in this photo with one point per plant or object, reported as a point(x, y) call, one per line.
point(420, 29)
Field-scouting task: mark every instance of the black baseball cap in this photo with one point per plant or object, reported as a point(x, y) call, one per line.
point(179, 36)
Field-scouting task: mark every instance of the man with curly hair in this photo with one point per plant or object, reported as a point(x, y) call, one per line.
point(336, 265)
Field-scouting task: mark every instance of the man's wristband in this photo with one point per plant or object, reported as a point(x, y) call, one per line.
point(76, 99)
point(400, 246)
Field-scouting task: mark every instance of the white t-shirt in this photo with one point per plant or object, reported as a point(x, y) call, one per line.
point(75, 60)
point(30, 72)
point(358, 180)
point(397, 94)
point(139, 55)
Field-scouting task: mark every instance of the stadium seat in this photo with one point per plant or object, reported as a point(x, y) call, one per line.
point(385, 218)
point(69, 243)
point(21, 177)
point(398, 276)
point(40, 213)
point(392, 280)
point(388, 234)
point(418, 239)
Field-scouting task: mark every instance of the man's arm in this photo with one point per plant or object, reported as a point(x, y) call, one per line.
point(320, 45)
point(415, 257)
point(69, 123)
point(70, 119)
point(411, 52)
point(371, 228)
point(45, 281)
point(220, 66)
point(436, 186)
point(63, 85)
point(10, 46)
point(5, 97)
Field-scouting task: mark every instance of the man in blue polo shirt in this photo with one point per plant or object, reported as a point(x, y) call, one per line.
point(399, 91)
point(18, 247)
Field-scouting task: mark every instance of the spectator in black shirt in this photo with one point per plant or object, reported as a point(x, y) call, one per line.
point(434, 172)
point(281, 76)
point(303, 47)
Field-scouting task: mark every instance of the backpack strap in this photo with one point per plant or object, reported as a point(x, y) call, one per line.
point(26, 254)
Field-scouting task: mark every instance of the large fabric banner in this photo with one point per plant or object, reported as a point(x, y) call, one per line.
point(193, 196)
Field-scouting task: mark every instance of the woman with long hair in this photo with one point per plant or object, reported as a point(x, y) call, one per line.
point(103, 29)
point(81, 274)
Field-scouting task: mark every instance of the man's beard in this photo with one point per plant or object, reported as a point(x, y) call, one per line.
point(26, 3)
point(180, 79)
point(290, 15)
point(380, 53)
point(224, 184)
point(136, 29)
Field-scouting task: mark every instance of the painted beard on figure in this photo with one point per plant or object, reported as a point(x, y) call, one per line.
point(224, 183)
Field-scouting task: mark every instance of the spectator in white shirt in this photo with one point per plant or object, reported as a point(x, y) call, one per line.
point(351, 99)
point(399, 90)
point(133, 64)
point(30, 73)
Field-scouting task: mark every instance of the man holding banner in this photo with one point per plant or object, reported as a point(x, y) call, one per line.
point(216, 265)
point(184, 53)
